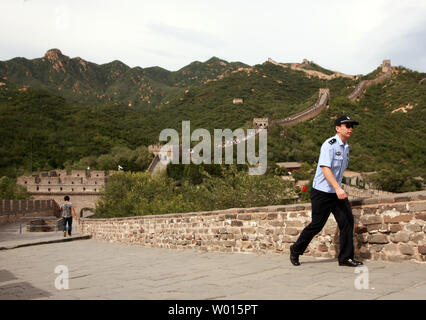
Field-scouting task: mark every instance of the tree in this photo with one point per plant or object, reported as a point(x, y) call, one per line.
point(10, 190)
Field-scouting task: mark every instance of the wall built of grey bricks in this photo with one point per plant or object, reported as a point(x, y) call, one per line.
point(386, 228)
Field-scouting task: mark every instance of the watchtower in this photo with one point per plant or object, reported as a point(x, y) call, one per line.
point(386, 66)
point(155, 149)
point(324, 90)
point(261, 123)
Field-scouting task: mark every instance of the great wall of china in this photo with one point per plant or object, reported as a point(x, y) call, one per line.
point(313, 73)
point(363, 85)
point(83, 187)
point(309, 113)
point(386, 228)
point(324, 94)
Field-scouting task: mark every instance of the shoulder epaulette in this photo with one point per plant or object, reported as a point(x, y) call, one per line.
point(332, 141)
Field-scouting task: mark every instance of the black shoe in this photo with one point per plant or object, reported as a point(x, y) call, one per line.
point(294, 257)
point(357, 262)
point(350, 263)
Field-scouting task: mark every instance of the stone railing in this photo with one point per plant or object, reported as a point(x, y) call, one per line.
point(386, 228)
point(364, 193)
point(12, 211)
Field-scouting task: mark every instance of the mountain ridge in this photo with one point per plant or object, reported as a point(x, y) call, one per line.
point(86, 82)
point(89, 83)
point(392, 113)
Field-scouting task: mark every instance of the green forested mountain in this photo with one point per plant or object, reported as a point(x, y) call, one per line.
point(84, 82)
point(101, 112)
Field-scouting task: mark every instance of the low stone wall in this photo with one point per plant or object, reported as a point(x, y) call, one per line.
point(386, 228)
point(11, 211)
point(365, 193)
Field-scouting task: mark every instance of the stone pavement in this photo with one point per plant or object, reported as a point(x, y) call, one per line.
point(14, 236)
point(102, 270)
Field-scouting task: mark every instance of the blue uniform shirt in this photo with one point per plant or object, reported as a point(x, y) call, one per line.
point(336, 157)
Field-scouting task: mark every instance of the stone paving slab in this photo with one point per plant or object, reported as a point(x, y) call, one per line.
point(12, 236)
point(102, 270)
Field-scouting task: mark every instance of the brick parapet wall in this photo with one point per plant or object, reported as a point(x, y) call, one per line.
point(391, 228)
point(12, 211)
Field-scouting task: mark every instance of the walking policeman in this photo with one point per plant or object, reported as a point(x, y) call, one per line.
point(328, 196)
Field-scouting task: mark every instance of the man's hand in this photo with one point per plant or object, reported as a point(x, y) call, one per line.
point(341, 194)
point(74, 214)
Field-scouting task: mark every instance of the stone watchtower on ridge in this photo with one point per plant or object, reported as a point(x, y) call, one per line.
point(386, 66)
point(155, 149)
point(261, 123)
point(324, 90)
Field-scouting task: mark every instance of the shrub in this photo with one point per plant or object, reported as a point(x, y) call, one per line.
point(10, 190)
point(133, 194)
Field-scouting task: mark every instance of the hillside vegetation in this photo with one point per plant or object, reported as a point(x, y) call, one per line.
point(83, 82)
point(44, 128)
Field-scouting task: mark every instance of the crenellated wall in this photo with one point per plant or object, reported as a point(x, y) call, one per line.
point(80, 200)
point(13, 210)
point(386, 228)
point(60, 181)
point(82, 186)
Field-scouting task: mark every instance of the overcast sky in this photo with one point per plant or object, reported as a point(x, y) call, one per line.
point(347, 36)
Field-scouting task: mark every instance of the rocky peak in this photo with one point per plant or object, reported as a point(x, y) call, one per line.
point(82, 64)
point(58, 60)
point(54, 55)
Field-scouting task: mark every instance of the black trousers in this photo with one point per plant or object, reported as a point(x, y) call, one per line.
point(323, 204)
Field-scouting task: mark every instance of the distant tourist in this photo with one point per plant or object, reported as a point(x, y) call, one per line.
point(328, 196)
point(68, 212)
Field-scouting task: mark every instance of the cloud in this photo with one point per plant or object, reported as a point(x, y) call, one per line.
point(409, 49)
point(351, 37)
point(185, 35)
